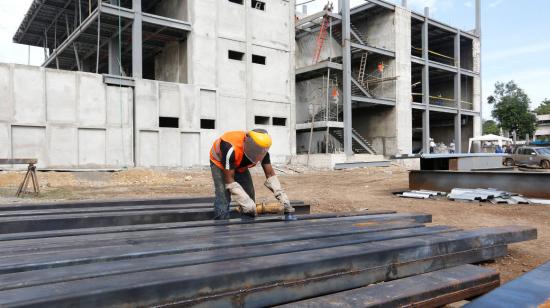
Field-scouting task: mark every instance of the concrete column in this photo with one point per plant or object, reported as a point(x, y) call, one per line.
point(403, 92)
point(425, 85)
point(458, 96)
point(346, 79)
point(137, 41)
point(477, 119)
point(114, 51)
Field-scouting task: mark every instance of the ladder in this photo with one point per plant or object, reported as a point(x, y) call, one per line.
point(321, 39)
point(362, 68)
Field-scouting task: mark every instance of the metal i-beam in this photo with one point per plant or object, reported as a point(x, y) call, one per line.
point(434, 289)
point(177, 225)
point(529, 290)
point(193, 250)
point(425, 85)
point(75, 221)
point(113, 267)
point(344, 5)
point(458, 96)
point(72, 37)
point(276, 279)
point(530, 184)
point(137, 37)
point(67, 241)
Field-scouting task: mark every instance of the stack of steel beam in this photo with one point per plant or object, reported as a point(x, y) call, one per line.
point(234, 263)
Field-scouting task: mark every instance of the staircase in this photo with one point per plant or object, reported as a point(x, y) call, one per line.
point(359, 144)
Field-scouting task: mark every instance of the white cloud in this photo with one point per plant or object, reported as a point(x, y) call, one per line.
point(468, 4)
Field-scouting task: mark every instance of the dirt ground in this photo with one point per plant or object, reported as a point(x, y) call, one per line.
point(326, 191)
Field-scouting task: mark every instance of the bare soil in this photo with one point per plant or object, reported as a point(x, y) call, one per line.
point(326, 191)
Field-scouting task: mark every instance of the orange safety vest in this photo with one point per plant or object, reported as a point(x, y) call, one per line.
point(236, 139)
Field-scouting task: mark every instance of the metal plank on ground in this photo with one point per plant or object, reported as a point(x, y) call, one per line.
point(90, 220)
point(363, 223)
point(532, 289)
point(302, 207)
point(276, 279)
point(178, 225)
point(433, 289)
point(38, 271)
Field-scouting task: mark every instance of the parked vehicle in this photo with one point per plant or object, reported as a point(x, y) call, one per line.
point(529, 156)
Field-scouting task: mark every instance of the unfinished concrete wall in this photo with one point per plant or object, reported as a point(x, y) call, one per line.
point(307, 44)
point(403, 91)
point(64, 119)
point(318, 142)
point(258, 82)
point(378, 28)
point(167, 146)
point(378, 126)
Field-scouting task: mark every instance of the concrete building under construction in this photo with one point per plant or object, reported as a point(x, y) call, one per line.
point(148, 83)
point(153, 83)
point(402, 79)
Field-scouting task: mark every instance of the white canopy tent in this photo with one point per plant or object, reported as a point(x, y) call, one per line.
point(489, 138)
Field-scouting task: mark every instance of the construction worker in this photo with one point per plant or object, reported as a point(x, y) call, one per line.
point(230, 158)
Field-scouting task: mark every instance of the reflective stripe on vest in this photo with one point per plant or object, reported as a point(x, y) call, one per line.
point(236, 139)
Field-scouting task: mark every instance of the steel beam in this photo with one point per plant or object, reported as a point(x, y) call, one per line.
point(346, 79)
point(375, 50)
point(68, 242)
point(137, 37)
point(180, 225)
point(91, 220)
point(378, 101)
point(530, 184)
point(425, 85)
point(274, 279)
point(458, 96)
point(17, 161)
point(166, 22)
point(72, 37)
point(529, 290)
point(434, 289)
point(196, 250)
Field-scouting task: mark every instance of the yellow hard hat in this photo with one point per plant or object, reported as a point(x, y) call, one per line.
point(257, 144)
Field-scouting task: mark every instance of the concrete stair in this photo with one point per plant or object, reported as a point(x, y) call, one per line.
point(360, 145)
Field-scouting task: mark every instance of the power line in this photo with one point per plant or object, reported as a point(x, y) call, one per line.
point(298, 4)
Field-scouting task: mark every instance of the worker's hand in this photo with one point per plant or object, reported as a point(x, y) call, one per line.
point(242, 199)
point(273, 184)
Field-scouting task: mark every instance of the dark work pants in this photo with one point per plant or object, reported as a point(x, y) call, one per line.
point(223, 196)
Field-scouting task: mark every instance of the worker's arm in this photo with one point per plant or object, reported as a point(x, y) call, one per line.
point(238, 194)
point(273, 184)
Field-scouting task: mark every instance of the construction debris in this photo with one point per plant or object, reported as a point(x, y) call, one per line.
point(421, 194)
point(230, 263)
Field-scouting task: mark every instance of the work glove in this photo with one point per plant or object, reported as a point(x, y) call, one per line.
point(242, 199)
point(274, 185)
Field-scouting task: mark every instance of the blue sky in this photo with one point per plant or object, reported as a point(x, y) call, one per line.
point(515, 45)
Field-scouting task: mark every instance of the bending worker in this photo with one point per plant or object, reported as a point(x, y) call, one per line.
point(230, 158)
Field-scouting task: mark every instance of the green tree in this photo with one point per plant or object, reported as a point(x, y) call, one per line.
point(544, 107)
point(490, 127)
point(511, 109)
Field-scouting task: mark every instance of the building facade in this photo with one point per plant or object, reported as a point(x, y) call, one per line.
point(543, 128)
point(148, 83)
point(412, 79)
